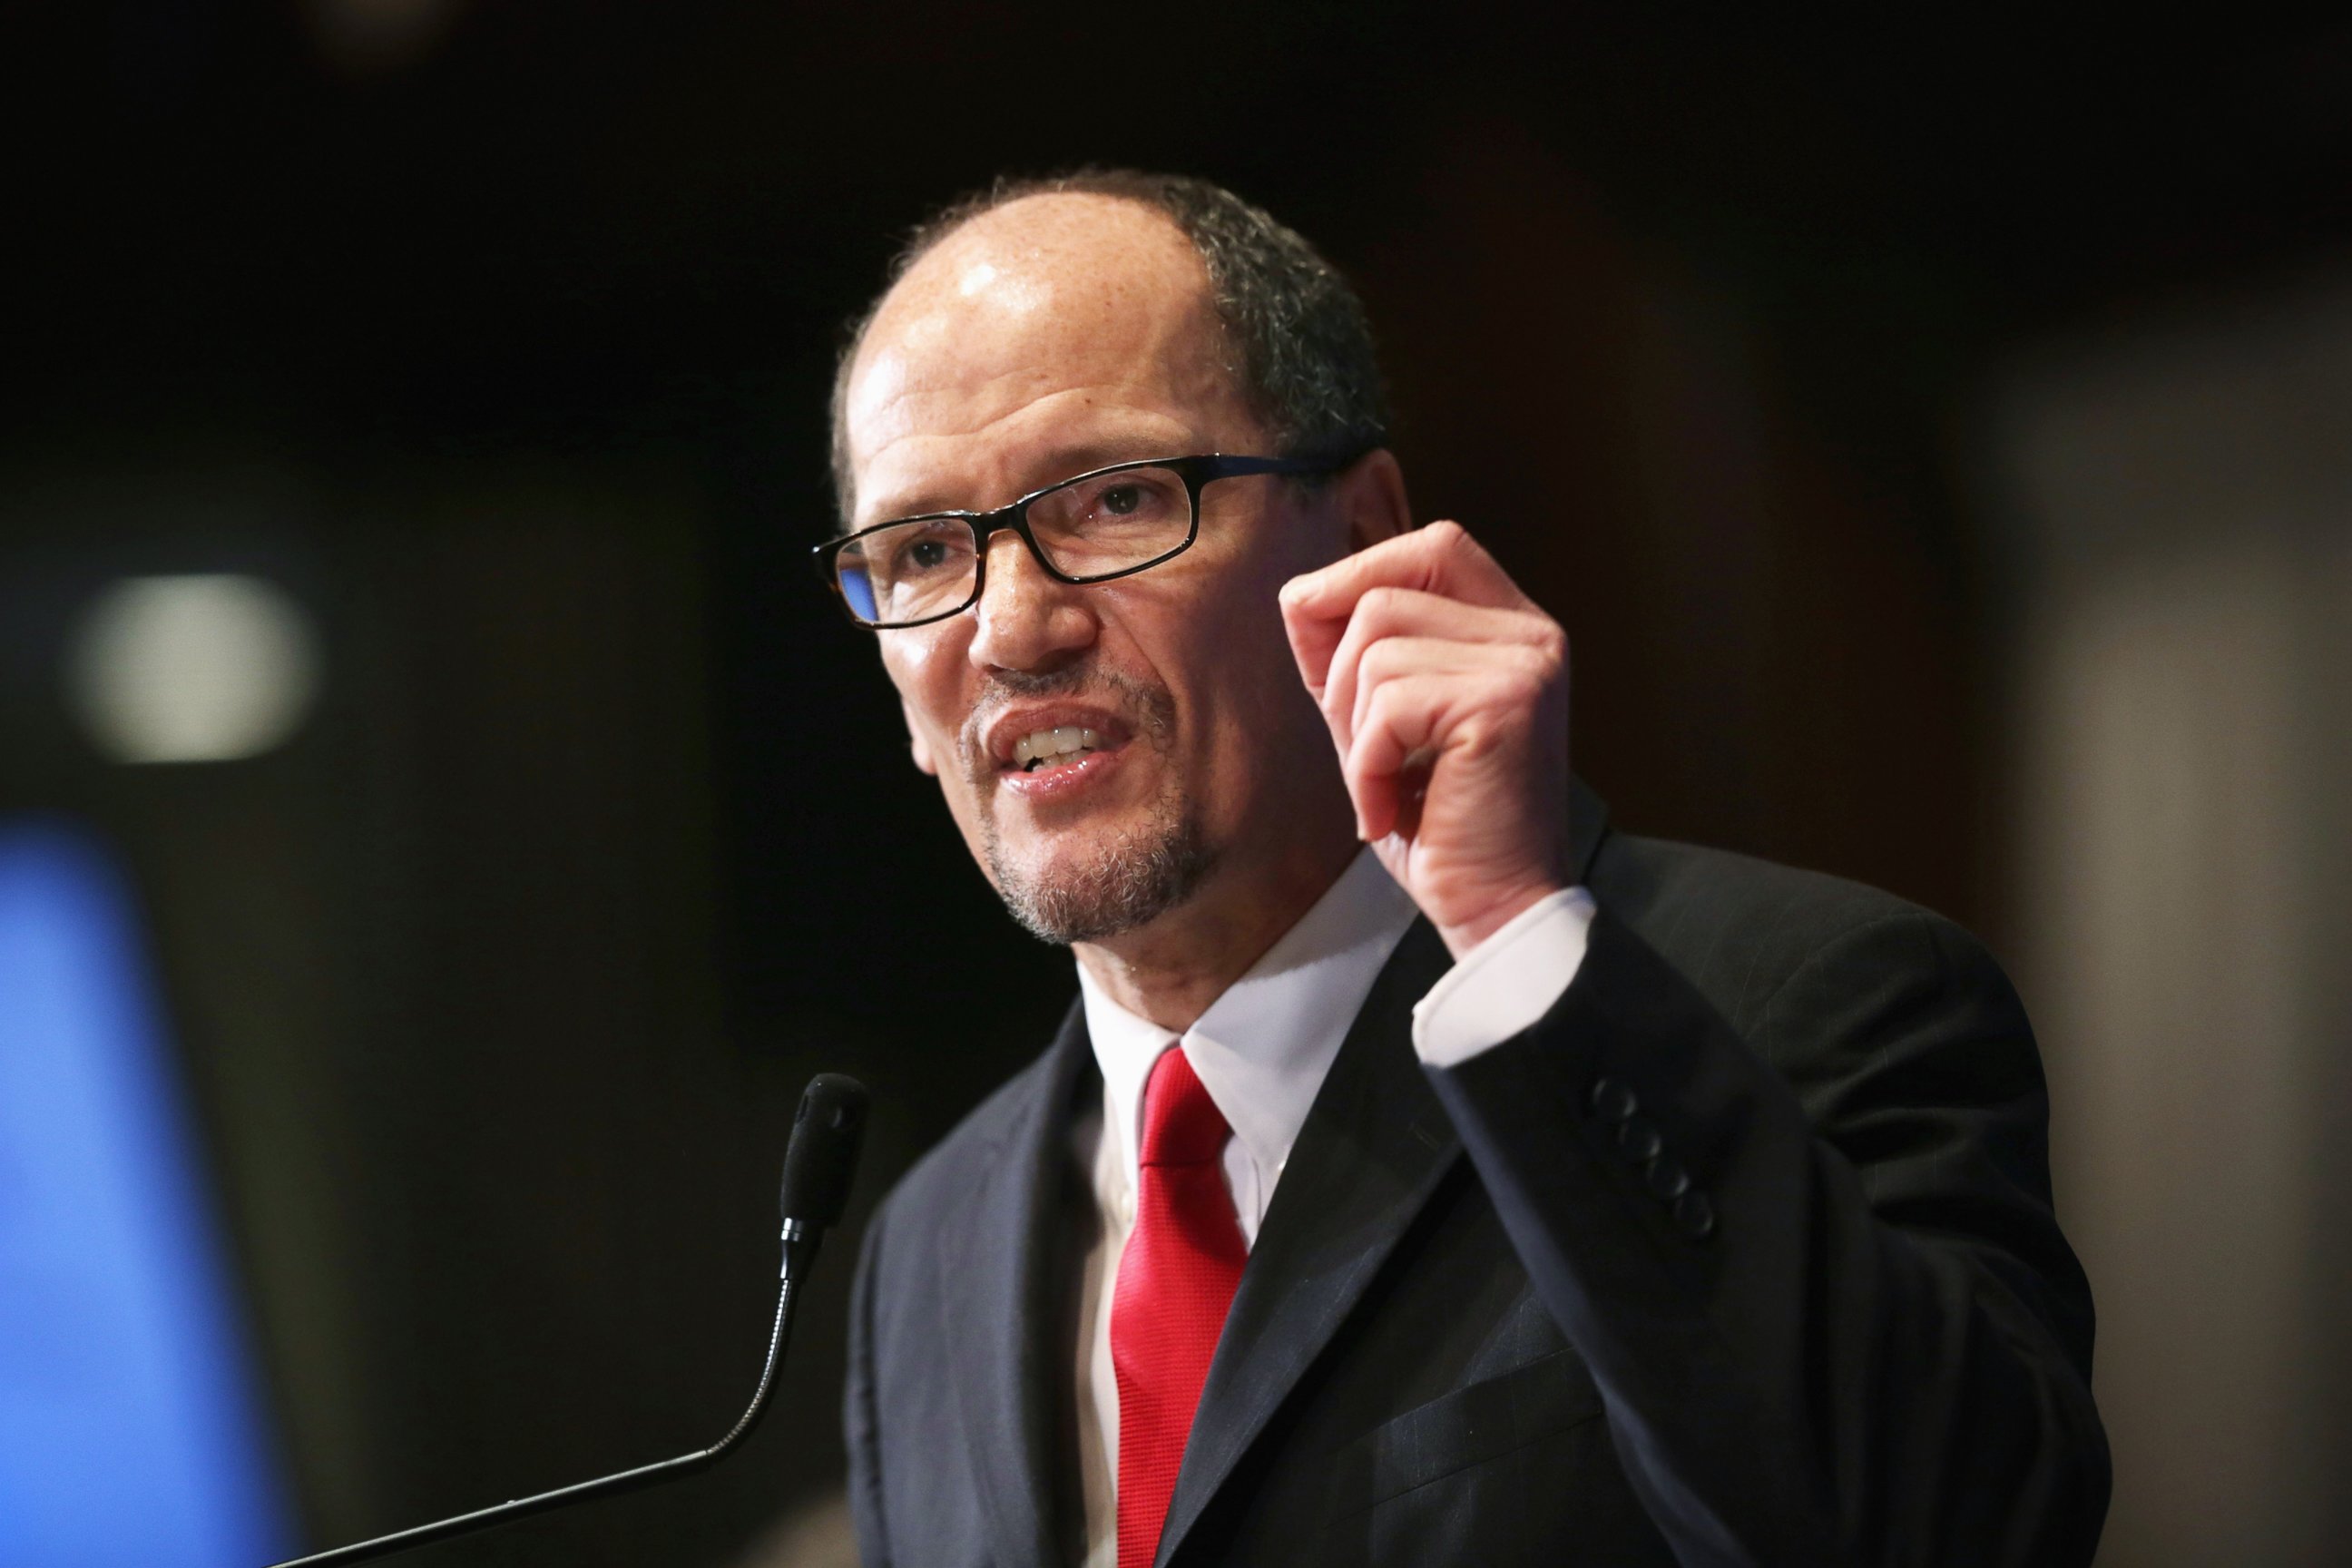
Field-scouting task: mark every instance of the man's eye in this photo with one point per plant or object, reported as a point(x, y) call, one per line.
point(1121, 500)
point(929, 550)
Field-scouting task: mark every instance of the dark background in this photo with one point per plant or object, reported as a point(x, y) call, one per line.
point(500, 334)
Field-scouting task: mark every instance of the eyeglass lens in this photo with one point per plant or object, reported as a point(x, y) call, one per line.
point(1091, 527)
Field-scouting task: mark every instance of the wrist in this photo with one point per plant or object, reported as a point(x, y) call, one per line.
point(1463, 937)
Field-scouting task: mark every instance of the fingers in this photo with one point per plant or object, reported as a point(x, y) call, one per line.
point(1403, 721)
point(1441, 559)
point(1416, 725)
point(1433, 672)
point(1417, 623)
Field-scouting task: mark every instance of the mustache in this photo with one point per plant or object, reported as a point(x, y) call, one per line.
point(1151, 706)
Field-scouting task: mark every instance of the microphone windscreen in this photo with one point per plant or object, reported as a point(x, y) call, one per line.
point(822, 1154)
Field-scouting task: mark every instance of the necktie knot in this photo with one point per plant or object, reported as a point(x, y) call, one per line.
point(1181, 1125)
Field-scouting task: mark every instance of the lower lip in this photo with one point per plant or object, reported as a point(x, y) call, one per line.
point(1063, 782)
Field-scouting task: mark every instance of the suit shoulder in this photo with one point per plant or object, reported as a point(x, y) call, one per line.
point(1647, 879)
point(1738, 927)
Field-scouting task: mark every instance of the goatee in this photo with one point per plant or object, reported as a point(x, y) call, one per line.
point(1143, 873)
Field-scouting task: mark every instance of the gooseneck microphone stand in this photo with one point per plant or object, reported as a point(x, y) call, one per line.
point(818, 1164)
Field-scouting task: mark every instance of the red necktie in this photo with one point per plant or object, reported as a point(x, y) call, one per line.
point(1175, 1281)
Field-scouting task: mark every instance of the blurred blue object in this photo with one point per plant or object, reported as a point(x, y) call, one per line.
point(132, 1425)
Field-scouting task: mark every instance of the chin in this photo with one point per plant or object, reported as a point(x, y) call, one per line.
point(1087, 884)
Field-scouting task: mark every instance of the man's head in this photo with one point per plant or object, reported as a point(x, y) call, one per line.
point(1054, 328)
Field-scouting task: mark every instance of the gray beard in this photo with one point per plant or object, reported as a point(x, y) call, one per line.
point(1149, 871)
point(1132, 883)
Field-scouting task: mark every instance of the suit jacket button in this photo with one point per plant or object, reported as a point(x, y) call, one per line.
point(1695, 1216)
point(1668, 1179)
point(1612, 1100)
point(1639, 1139)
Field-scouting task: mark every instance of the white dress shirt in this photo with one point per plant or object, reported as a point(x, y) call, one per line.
point(1261, 1051)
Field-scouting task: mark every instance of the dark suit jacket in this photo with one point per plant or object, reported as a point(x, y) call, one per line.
point(1744, 1253)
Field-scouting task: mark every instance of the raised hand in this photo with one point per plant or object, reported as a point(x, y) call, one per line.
point(1446, 691)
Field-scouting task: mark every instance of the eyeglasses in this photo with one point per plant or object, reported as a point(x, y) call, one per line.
point(1112, 522)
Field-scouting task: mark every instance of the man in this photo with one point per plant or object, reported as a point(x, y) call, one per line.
point(1427, 1173)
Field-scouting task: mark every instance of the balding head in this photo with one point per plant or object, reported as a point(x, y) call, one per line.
point(1294, 339)
point(1029, 321)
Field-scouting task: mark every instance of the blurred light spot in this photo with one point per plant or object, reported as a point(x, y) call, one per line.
point(132, 1420)
point(191, 670)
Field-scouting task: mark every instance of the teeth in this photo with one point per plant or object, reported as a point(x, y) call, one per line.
point(1063, 740)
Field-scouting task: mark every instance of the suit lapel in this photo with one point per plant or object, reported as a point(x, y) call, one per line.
point(998, 1314)
point(1372, 1150)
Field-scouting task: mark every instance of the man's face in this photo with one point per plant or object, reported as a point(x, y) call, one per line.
point(1056, 335)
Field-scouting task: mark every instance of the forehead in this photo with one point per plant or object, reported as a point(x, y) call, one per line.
point(1054, 329)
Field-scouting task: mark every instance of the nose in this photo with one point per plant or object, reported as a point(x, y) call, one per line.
point(1026, 620)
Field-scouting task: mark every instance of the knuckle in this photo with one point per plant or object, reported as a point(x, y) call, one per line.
point(1545, 656)
point(1386, 708)
point(1477, 736)
point(1520, 687)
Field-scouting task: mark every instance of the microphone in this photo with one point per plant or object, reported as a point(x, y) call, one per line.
point(819, 1161)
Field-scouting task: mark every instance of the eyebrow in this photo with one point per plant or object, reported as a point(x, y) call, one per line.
point(1062, 463)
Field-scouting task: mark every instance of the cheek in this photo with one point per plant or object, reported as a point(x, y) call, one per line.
point(926, 673)
point(1249, 710)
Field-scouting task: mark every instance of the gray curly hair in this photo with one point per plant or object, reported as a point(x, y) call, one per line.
point(1306, 365)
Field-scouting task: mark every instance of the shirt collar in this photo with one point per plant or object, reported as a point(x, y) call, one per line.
point(1262, 1047)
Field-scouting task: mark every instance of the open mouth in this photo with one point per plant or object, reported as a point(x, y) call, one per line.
point(1041, 751)
point(1058, 751)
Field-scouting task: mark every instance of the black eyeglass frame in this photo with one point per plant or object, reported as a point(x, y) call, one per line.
point(1197, 472)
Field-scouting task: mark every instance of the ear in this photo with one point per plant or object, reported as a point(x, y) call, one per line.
point(915, 744)
point(1372, 497)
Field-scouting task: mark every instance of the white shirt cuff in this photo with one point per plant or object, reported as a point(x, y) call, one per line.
point(1505, 982)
